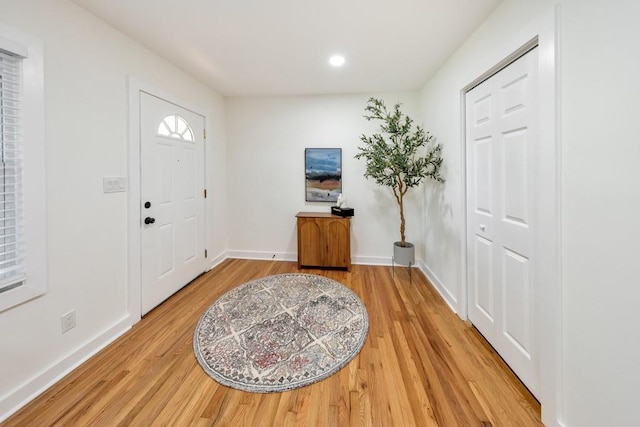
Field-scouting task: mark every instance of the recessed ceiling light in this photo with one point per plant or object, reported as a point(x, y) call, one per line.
point(336, 60)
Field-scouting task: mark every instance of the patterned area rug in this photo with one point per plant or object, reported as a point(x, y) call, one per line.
point(280, 332)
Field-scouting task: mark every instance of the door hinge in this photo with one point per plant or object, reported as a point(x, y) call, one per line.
point(205, 193)
point(205, 253)
point(204, 133)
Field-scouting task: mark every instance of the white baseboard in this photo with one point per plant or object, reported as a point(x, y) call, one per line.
point(386, 261)
point(437, 284)
point(290, 256)
point(214, 262)
point(19, 397)
point(371, 260)
point(268, 256)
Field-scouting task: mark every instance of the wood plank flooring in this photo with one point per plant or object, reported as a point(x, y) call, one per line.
point(420, 366)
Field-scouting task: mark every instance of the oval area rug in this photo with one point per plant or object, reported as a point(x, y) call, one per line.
point(280, 332)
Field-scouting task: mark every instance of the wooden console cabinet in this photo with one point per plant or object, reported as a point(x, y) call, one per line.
point(324, 240)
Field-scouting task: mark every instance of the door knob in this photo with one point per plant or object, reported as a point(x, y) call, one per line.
point(483, 227)
point(147, 205)
point(149, 220)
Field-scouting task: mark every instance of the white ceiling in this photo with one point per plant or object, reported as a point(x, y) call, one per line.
point(282, 47)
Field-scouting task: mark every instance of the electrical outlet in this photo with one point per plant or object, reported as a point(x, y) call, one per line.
point(68, 321)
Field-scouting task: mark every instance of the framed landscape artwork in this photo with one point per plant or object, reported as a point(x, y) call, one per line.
point(323, 174)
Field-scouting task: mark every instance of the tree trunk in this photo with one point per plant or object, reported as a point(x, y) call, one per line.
point(402, 237)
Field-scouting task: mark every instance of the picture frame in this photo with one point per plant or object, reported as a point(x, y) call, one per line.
point(323, 174)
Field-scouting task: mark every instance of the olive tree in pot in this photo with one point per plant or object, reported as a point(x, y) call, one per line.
point(400, 156)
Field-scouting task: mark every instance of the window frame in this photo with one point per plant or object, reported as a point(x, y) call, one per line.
point(18, 43)
point(173, 130)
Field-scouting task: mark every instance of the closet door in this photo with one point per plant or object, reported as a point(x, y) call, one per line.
point(501, 118)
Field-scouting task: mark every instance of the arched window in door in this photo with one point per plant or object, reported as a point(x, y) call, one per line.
point(175, 127)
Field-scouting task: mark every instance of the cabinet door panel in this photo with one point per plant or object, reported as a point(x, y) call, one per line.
point(337, 243)
point(311, 242)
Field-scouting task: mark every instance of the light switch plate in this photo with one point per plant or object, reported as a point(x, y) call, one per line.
point(114, 184)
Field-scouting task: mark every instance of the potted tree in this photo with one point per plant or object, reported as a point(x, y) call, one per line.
point(399, 157)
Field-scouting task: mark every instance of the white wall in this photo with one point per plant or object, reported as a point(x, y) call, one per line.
point(440, 112)
point(86, 64)
point(601, 196)
point(267, 137)
point(599, 193)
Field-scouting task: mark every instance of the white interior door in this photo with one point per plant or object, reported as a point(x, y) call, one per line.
point(501, 118)
point(172, 198)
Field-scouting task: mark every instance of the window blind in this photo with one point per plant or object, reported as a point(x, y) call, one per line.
point(12, 271)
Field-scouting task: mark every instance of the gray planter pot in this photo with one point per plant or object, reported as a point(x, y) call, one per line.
point(404, 255)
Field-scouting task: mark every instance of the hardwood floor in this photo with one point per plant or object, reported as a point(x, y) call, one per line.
point(420, 366)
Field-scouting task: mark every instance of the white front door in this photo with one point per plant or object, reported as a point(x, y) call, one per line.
point(172, 198)
point(501, 118)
